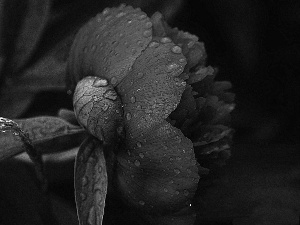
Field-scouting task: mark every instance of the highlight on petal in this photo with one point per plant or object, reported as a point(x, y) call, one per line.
point(90, 182)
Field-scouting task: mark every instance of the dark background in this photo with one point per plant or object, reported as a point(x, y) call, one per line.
point(255, 45)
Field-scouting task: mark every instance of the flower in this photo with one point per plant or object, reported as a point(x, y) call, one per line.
point(140, 75)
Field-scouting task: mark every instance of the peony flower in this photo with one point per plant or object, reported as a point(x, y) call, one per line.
point(144, 92)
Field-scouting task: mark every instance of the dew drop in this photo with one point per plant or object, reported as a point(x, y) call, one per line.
point(178, 139)
point(148, 25)
point(141, 17)
point(132, 99)
point(165, 40)
point(165, 190)
point(128, 116)
point(120, 14)
point(105, 11)
point(142, 155)
point(129, 21)
point(147, 33)
point(182, 60)
point(100, 82)
point(100, 169)
point(190, 44)
point(154, 44)
point(110, 94)
point(93, 48)
point(92, 216)
point(172, 66)
point(137, 163)
point(84, 181)
point(177, 192)
point(185, 192)
point(85, 50)
point(139, 42)
point(177, 171)
point(83, 196)
point(105, 107)
point(113, 80)
point(140, 75)
point(139, 144)
point(108, 18)
point(176, 49)
point(141, 202)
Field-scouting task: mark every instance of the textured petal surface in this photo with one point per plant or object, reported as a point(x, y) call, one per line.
point(98, 108)
point(90, 182)
point(110, 43)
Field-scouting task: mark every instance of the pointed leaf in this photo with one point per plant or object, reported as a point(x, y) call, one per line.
point(90, 182)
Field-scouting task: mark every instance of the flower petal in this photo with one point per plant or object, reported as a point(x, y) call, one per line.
point(110, 43)
point(90, 182)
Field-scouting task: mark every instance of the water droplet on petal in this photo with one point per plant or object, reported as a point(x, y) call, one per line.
point(147, 33)
point(110, 94)
point(172, 66)
point(176, 49)
point(137, 163)
point(132, 99)
point(141, 202)
point(165, 40)
point(105, 107)
point(178, 139)
point(113, 80)
point(185, 192)
point(182, 60)
point(93, 48)
point(190, 44)
point(140, 75)
point(85, 50)
point(154, 44)
point(141, 17)
point(100, 82)
point(92, 216)
point(128, 116)
point(105, 11)
point(177, 171)
point(83, 196)
point(84, 181)
point(139, 144)
point(120, 14)
point(148, 25)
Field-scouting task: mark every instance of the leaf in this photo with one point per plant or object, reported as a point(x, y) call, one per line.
point(11, 131)
point(45, 133)
point(90, 182)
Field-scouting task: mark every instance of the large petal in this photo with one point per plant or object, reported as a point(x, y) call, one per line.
point(109, 44)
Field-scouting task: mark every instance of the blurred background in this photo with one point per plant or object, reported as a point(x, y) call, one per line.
point(254, 44)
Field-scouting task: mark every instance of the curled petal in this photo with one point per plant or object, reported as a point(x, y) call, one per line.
point(98, 108)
